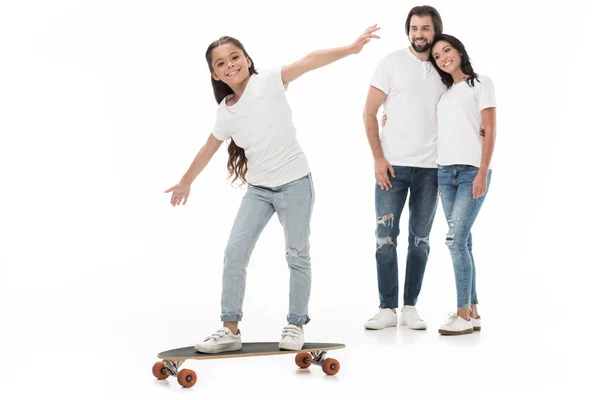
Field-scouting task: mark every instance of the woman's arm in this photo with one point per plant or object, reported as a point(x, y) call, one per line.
point(488, 115)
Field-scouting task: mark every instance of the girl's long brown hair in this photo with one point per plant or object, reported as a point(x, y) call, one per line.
point(237, 164)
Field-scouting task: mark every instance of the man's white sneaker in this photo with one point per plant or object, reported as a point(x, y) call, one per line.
point(410, 317)
point(385, 318)
point(476, 323)
point(456, 325)
point(220, 341)
point(292, 338)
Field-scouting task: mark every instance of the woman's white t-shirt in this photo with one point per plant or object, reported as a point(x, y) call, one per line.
point(261, 123)
point(459, 121)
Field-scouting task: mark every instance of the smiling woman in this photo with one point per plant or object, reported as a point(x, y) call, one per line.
point(451, 60)
point(464, 157)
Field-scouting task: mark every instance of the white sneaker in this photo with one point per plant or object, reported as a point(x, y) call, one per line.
point(385, 318)
point(220, 341)
point(292, 338)
point(476, 324)
point(410, 317)
point(456, 325)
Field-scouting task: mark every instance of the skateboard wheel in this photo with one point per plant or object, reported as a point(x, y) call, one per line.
point(186, 378)
point(302, 360)
point(331, 366)
point(159, 371)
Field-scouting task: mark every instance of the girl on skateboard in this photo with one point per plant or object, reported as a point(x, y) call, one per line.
point(254, 115)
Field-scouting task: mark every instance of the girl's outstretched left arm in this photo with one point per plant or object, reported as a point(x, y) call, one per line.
point(320, 58)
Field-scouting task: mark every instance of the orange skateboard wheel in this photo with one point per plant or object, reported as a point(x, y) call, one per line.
point(331, 366)
point(186, 378)
point(302, 360)
point(159, 371)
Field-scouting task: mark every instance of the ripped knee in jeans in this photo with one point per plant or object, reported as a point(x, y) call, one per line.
point(291, 252)
point(450, 234)
point(386, 220)
point(384, 225)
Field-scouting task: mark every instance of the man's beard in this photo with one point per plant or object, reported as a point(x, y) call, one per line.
point(421, 48)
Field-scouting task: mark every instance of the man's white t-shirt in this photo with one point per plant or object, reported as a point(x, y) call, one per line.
point(261, 123)
point(459, 121)
point(413, 88)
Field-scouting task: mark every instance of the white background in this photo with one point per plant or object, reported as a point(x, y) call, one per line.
point(103, 105)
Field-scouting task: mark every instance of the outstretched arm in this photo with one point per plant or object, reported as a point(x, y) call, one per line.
point(202, 158)
point(320, 58)
point(181, 191)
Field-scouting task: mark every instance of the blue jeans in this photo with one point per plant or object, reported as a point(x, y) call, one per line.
point(293, 203)
point(460, 209)
point(423, 186)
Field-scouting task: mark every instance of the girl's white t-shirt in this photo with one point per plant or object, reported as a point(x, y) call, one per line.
point(261, 123)
point(459, 121)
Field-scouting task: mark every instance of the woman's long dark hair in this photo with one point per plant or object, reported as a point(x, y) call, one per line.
point(237, 164)
point(465, 61)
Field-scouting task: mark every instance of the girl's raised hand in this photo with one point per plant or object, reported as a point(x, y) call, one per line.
point(363, 39)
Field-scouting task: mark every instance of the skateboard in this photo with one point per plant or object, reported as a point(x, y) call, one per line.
point(311, 354)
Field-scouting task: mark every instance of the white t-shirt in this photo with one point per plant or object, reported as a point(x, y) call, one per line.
point(261, 123)
point(413, 88)
point(459, 121)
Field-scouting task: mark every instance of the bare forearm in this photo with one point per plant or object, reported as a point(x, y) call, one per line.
point(488, 149)
point(321, 58)
point(372, 129)
point(488, 117)
point(202, 158)
point(200, 162)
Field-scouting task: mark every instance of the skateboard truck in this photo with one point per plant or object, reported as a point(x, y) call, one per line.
point(172, 367)
point(317, 357)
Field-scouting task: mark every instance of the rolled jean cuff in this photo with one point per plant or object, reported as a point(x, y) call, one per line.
point(294, 319)
point(231, 318)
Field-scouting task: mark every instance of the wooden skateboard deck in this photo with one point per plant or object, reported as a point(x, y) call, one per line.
point(311, 353)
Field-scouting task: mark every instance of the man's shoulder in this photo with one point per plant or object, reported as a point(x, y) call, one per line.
point(397, 55)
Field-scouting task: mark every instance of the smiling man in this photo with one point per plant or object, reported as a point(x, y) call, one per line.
point(408, 87)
